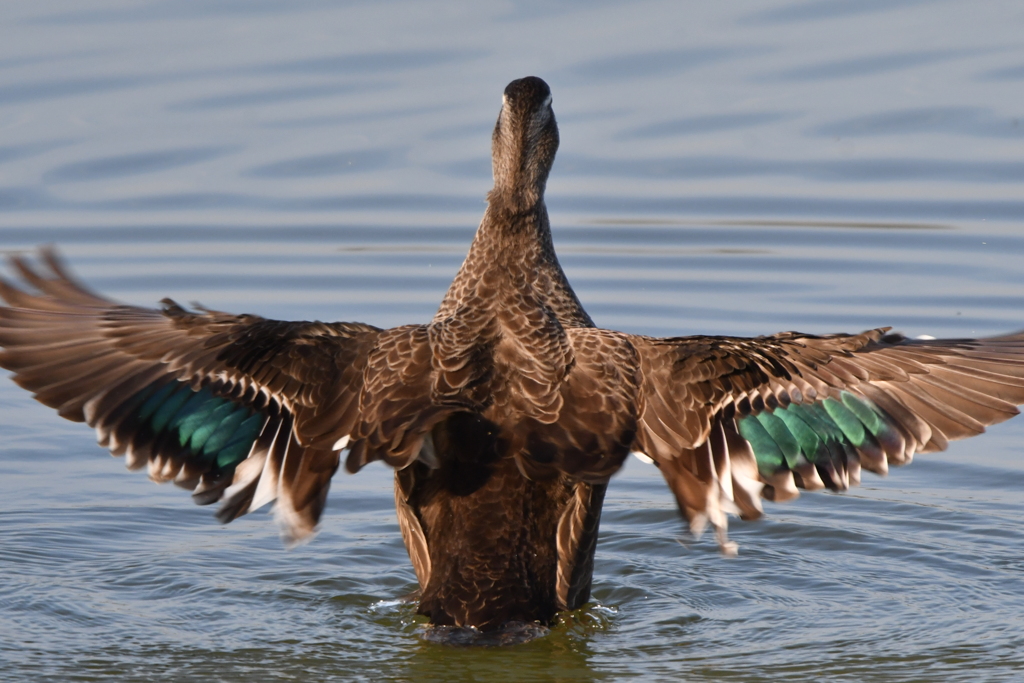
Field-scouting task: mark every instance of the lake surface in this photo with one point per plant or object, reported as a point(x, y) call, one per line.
point(729, 168)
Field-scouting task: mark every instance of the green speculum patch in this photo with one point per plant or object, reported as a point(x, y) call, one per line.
point(816, 433)
point(209, 428)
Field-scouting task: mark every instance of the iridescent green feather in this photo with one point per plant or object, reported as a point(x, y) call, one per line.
point(156, 400)
point(766, 451)
point(782, 436)
point(194, 414)
point(834, 437)
point(821, 432)
point(196, 401)
point(209, 422)
point(825, 431)
point(211, 428)
point(845, 419)
point(237, 448)
point(870, 416)
point(169, 408)
point(222, 431)
point(810, 443)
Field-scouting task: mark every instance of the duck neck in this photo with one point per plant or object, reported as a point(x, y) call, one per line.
point(513, 252)
point(509, 245)
point(518, 186)
point(521, 159)
point(515, 235)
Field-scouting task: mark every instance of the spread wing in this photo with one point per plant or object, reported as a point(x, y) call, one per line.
point(730, 419)
point(234, 407)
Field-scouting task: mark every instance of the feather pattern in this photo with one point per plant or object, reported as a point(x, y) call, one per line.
point(207, 400)
point(814, 410)
point(505, 416)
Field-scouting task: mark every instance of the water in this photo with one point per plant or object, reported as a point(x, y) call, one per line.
point(735, 168)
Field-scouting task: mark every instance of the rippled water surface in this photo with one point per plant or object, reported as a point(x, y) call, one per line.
point(740, 168)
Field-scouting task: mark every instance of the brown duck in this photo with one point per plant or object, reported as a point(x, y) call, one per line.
point(505, 416)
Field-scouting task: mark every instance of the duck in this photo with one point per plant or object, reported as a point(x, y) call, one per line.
point(505, 416)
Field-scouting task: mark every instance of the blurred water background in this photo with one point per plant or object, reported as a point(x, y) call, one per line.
point(735, 168)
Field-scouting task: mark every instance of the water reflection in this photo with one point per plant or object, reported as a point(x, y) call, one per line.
point(975, 121)
point(356, 161)
point(133, 164)
point(816, 10)
point(557, 658)
point(866, 66)
point(653, 64)
point(699, 125)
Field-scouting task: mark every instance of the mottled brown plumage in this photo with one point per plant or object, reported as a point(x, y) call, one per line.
point(505, 416)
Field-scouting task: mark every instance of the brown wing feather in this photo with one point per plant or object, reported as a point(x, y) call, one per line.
point(410, 525)
point(575, 541)
point(92, 359)
point(396, 411)
point(694, 390)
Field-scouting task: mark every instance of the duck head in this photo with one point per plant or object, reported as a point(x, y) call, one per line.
point(524, 143)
